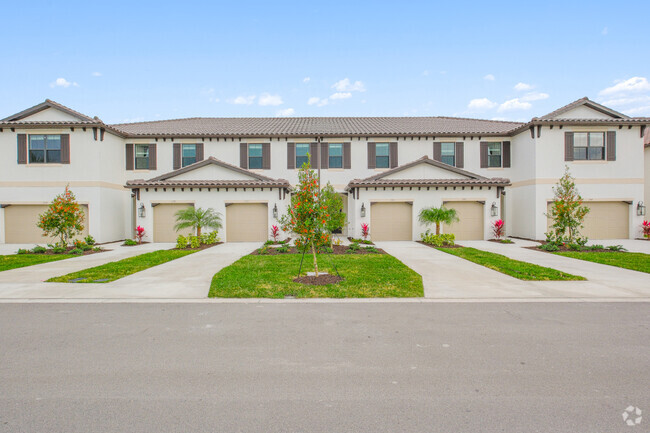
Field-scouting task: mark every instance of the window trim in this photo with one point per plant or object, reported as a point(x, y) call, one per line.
point(500, 143)
point(329, 155)
point(44, 150)
point(135, 156)
point(442, 155)
point(261, 157)
point(183, 157)
point(307, 146)
point(387, 156)
point(589, 146)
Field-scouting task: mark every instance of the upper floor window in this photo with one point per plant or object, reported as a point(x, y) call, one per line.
point(382, 155)
point(142, 157)
point(335, 155)
point(448, 153)
point(302, 149)
point(188, 154)
point(44, 149)
point(588, 146)
point(255, 156)
point(494, 154)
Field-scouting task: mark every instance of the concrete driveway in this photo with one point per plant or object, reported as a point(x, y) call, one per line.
point(450, 277)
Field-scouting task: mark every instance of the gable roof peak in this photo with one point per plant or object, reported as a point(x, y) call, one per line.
point(584, 101)
point(48, 103)
point(211, 160)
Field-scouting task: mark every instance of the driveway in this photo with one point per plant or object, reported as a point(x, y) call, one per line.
point(450, 277)
point(186, 277)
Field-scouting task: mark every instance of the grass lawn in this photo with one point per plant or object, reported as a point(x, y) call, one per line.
point(365, 276)
point(115, 270)
point(514, 268)
point(14, 261)
point(634, 261)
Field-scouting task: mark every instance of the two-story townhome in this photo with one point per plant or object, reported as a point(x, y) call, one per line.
point(386, 168)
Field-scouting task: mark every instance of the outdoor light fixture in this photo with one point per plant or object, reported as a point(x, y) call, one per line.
point(141, 211)
point(275, 211)
point(640, 209)
point(363, 210)
point(494, 210)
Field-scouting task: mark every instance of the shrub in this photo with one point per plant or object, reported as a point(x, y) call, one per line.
point(77, 251)
point(596, 247)
point(97, 249)
point(437, 216)
point(90, 240)
point(139, 233)
point(264, 250)
point(365, 230)
point(269, 242)
point(445, 239)
point(506, 241)
point(212, 237)
point(181, 242)
point(498, 229)
point(59, 250)
point(22, 251)
point(646, 229)
point(325, 249)
point(197, 218)
point(130, 242)
point(568, 212)
point(63, 218)
point(371, 249)
point(38, 249)
point(81, 245)
point(283, 249)
point(549, 247)
point(574, 247)
point(353, 247)
point(618, 248)
point(195, 241)
point(275, 232)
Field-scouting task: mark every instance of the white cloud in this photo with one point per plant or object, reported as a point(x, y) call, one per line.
point(617, 102)
point(62, 82)
point(96, 74)
point(643, 110)
point(481, 104)
point(514, 104)
point(605, 31)
point(489, 77)
point(286, 112)
point(534, 96)
point(341, 95)
point(425, 73)
point(268, 99)
point(306, 79)
point(315, 100)
point(243, 100)
point(345, 85)
point(631, 85)
point(521, 87)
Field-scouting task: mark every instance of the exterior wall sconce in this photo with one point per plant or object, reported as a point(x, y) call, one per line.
point(275, 211)
point(363, 210)
point(141, 210)
point(494, 210)
point(640, 209)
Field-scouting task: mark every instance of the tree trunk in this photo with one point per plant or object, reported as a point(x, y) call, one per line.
point(198, 231)
point(437, 228)
point(313, 251)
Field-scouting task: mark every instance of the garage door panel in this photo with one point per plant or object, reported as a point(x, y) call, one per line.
point(247, 222)
point(605, 220)
point(164, 220)
point(471, 220)
point(391, 221)
point(21, 220)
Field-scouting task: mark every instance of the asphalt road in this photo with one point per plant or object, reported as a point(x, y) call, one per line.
point(365, 367)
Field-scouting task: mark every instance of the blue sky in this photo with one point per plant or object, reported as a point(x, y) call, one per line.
point(140, 60)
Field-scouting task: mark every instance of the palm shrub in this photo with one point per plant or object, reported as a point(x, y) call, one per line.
point(197, 218)
point(437, 216)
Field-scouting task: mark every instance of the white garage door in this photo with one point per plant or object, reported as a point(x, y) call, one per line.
point(605, 220)
point(391, 221)
point(21, 220)
point(470, 225)
point(247, 222)
point(164, 220)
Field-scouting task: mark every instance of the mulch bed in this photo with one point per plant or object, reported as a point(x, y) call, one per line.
point(564, 249)
point(202, 247)
point(360, 241)
point(337, 250)
point(444, 246)
point(51, 253)
point(321, 280)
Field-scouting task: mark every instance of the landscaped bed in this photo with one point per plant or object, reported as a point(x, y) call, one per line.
point(514, 268)
point(14, 261)
point(634, 261)
point(271, 276)
point(336, 250)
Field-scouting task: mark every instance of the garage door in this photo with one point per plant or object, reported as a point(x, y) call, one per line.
point(164, 220)
point(21, 220)
point(247, 222)
point(470, 225)
point(605, 220)
point(391, 221)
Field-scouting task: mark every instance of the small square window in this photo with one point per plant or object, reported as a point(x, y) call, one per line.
point(382, 158)
point(188, 154)
point(302, 149)
point(494, 154)
point(448, 153)
point(588, 146)
point(336, 155)
point(142, 157)
point(255, 156)
point(44, 149)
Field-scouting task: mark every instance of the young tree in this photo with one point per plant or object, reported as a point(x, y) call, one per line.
point(437, 216)
point(63, 218)
point(197, 218)
point(568, 212)
point(333, 210)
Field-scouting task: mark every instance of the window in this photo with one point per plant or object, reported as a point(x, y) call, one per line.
point(302, 149)
point(448, 152)
point(255, 156)
point(494, 154)
point(336, 155)
point(44, 149)
point(382, 155)
point(589, 146)
point(188, 154)
point(142, 157)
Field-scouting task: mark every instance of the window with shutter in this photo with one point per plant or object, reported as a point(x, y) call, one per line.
point(382, 155)
point(44, 149)
point(188, 154)
point(302, 149)
point(336, 155)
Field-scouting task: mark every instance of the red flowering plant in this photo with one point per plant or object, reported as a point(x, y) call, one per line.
point(646, 229)
point(365, 230)
point(63, 218)
point(275, 232)
point(498, 229)
point(139, 233)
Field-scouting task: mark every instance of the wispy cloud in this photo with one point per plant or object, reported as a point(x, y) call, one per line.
point(631, 96)
point(631, 85)
point(522, 87)
point(62, 82)
point(319, 102)
point(306, 79)
point(286, 112)
point(341, 95)
point(268, 99)
point(489, 77)
point(243, 100)
point(96, 74)
point(513, 105)
point(481, 104)
point(534, 96)
point(425, 73)
point(345, 85)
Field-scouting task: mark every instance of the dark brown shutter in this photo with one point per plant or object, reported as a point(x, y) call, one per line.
point(65, 148)
point(22, 148)
point(437, 151)
point(611, 145)
point(506, 154)
point(291, 156)
point(153, 157)
point(347, 161)
point(484, 154)
point(324, 155)
point(129, 156)
point(372, 155)
point(200, 152)
point(394, 161)
point(313, 154)
point(266, 156)
point(460, 154)
point(243, 155)
point(177, 156)
point(568, 146)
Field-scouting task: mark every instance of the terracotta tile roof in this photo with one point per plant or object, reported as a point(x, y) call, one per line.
point(554, 115)
point(48, 103)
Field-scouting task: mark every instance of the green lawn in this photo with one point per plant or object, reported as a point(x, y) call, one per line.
point(115, 270)
point(21, 260)
point(634, 261)
point(514, 268)
point(365, 276)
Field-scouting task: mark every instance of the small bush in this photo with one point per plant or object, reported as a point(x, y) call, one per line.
point(130, 242)
point(618, 248)
point(22, 251)
point(264, 250)
point(506, 241)
point(39, 249)
point(269, 242)
point(595, 247)
point(549, 247)
point(574, 247)
point(365, 230)
point(181, 242)
point(195, 242)
point(59, 250)
point(582, 240)
point(77, 251)
point(441, 240)
point(371, 250)
point(325, 249)
point(90, 240)
point(213, 237)
point(353, 247)
point(283, 249)
point(97, 249)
